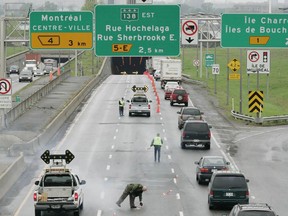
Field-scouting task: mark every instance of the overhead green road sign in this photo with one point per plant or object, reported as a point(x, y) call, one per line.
point(61, 30)
point(254, 30)
point(137, 30)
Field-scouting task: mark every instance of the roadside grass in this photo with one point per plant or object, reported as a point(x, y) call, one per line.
point(88, 64)
point(274, 85)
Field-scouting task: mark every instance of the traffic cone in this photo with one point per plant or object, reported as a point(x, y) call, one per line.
point(158, 108)
point(51, 75)
point(58, 71)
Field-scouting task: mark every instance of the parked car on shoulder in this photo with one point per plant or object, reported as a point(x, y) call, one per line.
point(195, 133)
point(227, 188)
point(254, 209)
point(186, 113)
point(14, 69)
point(207, 165)
point(179, 96)
point(26, 75)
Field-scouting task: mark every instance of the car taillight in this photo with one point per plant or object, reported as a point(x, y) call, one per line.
point(76, 196)
point(129, 106)
point(211, 193)
point(183, 134)
point(247, 194)
point(209, 135)
point(203, 170)
point(35, 196)
point(225, 168)
point(148, 106)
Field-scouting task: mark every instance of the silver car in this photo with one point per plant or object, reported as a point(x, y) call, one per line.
point(26, 75)
point(139, 105)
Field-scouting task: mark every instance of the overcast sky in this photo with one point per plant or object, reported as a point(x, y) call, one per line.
point(79, 3)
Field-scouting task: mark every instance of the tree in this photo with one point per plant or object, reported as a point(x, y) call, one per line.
point(48, 6)
point(89, 4)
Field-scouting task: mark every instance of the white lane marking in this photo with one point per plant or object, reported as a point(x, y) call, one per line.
point(105, 179)
point(169, 157)
point(178, 196)
point(112, 147)
point(117, 130)
point(175, 180)
point(163, 130)
point(167, 147)
point(99, 212)
point(108, 167)
point(260, 133)
point(181, 213)
point(172, 170)
point(227, 157)
point(114, 137)
point(110, 156)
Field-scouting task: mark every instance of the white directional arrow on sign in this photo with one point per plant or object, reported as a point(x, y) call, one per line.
point(144, 2)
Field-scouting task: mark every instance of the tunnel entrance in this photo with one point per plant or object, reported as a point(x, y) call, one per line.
point(129, 65)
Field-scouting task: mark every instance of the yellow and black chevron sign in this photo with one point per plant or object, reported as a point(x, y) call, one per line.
point(256, 101)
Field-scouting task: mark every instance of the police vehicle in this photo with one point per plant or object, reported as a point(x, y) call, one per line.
point(58, 188)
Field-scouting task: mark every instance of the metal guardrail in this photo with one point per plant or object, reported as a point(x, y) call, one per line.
point(260, 120)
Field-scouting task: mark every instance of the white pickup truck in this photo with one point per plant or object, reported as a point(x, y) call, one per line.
point(58, 190)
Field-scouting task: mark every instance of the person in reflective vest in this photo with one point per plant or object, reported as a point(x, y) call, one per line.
point(121, 106)
point(157, 143)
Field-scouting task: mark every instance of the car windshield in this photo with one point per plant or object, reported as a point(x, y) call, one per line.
point(26, 73)
point(58, 180)
point(195, 126)
point(14, 67)
point(191, 112)
point(229, 182)
point(139, 99)
point(256, 213)
point(213, 162)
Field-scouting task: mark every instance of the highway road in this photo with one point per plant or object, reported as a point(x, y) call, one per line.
point(112, 151)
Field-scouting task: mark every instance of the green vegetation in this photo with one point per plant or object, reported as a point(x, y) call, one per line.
point(88, 64)
point(273, 85)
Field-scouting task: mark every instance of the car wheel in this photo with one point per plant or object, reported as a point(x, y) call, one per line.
point(179, 97)
point(148, 114)
point(37, 213)
point(171, 103)
point(183, 146)
point(130, 114)
point(81, 206)
point(19, 80)
point(207, 146)
point(186, 104)
point(199, 180)
point(179, 127)
point(77, 212)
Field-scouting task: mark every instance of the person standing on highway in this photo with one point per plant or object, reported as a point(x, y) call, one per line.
point(157, 142)
point(133, 190)
point(121, 106)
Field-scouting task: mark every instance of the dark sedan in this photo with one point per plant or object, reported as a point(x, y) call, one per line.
point(207, 165)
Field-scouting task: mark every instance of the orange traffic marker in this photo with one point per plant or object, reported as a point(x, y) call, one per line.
point(50, 76)
point(58, 71)
point(158, 108)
